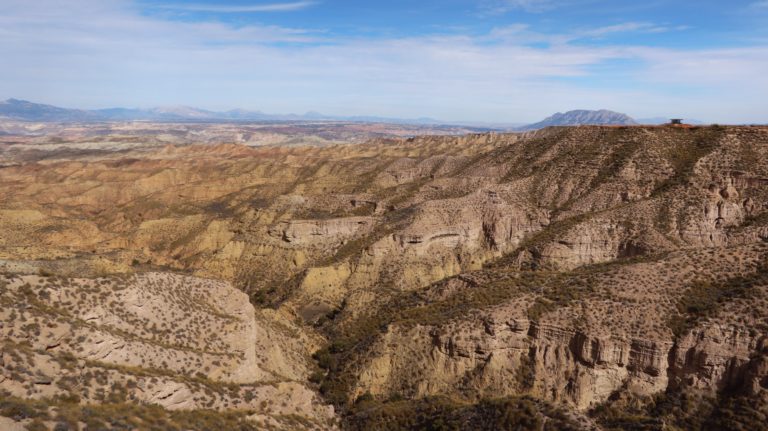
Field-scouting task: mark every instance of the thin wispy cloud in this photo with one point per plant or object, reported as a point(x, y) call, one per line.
point(524, 34)
point(629, 27)
point(217, 8)
point(763, 4)
point(109, 52)
point(497, 7)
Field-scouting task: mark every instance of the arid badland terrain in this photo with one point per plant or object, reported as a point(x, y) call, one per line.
point(570, 278)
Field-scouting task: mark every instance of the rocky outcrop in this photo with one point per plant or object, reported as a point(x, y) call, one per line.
point(719, 357)
point(562, 341)
point(321, 232)
point(556, 364)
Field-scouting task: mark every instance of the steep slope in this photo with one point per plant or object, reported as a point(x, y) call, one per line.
point(578, 272)
point(682, 311)
point(177, 342)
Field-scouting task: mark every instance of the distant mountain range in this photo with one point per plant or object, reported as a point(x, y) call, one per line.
point(28, 111)
point(23, 110)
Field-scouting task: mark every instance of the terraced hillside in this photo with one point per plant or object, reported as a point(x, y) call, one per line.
point(571, 278)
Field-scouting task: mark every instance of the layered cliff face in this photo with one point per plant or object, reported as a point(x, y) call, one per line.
point(680, 309)
point(580, 268)
point(583, 336)
point(603, 192)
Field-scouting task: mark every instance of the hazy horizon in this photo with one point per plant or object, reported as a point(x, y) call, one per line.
point(489, 61)
point(181, 108)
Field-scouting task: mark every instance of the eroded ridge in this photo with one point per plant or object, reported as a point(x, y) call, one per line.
point(593, 277)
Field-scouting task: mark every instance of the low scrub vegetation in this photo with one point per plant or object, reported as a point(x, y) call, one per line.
point(703, 299)
point(68, 413)
point(682, 410)
point(442, 414)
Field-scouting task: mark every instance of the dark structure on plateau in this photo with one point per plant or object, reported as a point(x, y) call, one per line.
point(676, 121)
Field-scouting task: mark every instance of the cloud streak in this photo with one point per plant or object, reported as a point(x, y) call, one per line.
point(269, 7)
point(108, 53)
point(628, 27)
point(498, 7)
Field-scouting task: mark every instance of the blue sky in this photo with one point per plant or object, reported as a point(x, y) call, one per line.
point(508, 61)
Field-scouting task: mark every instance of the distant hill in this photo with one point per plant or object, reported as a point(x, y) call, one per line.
point(583, 117)
point(23, 110)
point(157, 114)
point(29, 111)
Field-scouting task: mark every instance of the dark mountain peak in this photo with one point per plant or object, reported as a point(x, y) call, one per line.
point(20, 102)
point(580, 117)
